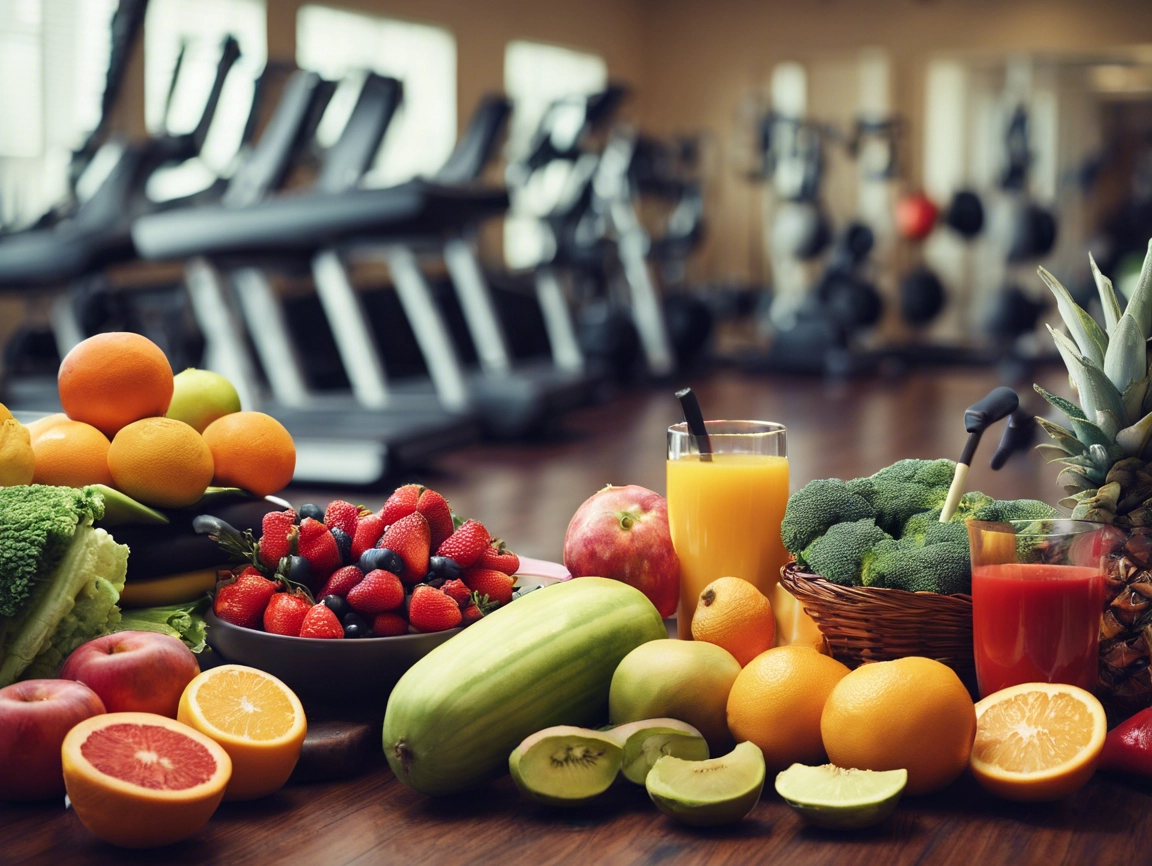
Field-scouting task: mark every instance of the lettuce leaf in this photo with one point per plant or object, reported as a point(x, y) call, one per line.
point(185, 621)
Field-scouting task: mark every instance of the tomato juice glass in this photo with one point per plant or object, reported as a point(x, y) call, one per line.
point(1037, 595)
point(725, 508)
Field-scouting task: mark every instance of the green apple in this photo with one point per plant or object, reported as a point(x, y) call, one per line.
point(199, 397)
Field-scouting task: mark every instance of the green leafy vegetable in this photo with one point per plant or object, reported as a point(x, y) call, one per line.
point(185, 621)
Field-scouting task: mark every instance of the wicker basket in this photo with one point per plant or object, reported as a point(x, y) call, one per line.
point(873, 624)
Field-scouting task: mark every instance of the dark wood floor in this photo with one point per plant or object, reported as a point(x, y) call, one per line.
point(527, 494)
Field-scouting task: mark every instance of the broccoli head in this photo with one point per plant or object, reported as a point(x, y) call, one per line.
point(1015, 509)
point(817, 506)
point(839, 553)
point(918, 524)
point(909, 487)
point(942, 567)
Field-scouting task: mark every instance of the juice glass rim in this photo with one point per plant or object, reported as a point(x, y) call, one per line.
point(1065, 526)
point(771, 428)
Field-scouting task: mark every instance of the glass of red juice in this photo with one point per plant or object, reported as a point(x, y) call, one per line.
point(1037, 595)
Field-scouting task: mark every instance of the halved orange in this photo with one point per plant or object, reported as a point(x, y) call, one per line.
point(258, 721)
point(1038, 741)
point(139, 780)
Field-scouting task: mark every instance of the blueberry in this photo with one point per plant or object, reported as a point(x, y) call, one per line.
point(381, 557)
point(356, 630)
point(434, 582)
point(312, 510)
point(354, 619)
point(337, 605)
point(299, 571)
point(343, 544)
point(445, 567)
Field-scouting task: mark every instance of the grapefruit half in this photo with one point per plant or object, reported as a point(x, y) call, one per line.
point(140, 780)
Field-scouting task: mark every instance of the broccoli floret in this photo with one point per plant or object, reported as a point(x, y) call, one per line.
point(910, 487)
point(1016, 509)
point(838, 554)
point(943, 567)
point(919, 524)
point(946, 533)
point(60, 578)
point(815, 507)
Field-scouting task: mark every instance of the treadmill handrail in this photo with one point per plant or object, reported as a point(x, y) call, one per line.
point(346, 161)
point(478, 143)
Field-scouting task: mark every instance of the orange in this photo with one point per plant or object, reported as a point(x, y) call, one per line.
point(161, 462)
point(111, 380)
point(5, 415)
point(252, 451)
point(71, 454)
point(139, 780)
point(1037, 741)
point(735, 615)
point(777, 700)
point(17, 460)
point(911, 713)
point(41, 425)
point(257, 720)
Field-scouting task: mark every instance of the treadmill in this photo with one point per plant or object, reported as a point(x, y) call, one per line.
point(348, 439)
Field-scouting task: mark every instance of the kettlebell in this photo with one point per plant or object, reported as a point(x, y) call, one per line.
point(851, 302)
point(1013, 313)
point(800, 230)
point(965, 213)
point(921, 296)
point(1032, 232)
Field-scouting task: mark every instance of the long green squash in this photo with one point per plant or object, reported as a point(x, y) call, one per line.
point(546, 659)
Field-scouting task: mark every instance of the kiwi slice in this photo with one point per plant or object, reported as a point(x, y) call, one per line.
point(121, 509)
point(707, 793)
point(839, 799)
point(565, 765)
point(647, 741)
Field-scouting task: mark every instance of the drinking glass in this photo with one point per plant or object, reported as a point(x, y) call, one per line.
point(1037, 593)
point(724, 508)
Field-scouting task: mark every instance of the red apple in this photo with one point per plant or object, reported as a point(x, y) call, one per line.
point(622, 533)
point(35, 716)
point(134, 671)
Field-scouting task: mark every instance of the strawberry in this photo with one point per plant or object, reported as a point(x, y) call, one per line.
point(342, 581)
point(242, 601)
point(466, 544)
point(411, 539)
point(279, 528)
point(401, 503)
point(435, 509)
point(378, 592)
point(499, 558)
point(471, 614)
point(389, 625)
point(321, 622)
point(317, 545)
point(251, 571)
point(458, 590)
point(432, 610)
point(285, 613)
point(494, 584)
point(341, 515)
point(369, 529)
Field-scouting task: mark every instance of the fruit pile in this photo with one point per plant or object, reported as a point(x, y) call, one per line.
point(407, 568)
point(128, 423)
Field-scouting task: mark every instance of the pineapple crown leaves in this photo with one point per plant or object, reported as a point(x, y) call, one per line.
point(1108, 299)
point(1089, 336)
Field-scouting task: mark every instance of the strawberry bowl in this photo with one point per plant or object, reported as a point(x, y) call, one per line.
point(360, 672)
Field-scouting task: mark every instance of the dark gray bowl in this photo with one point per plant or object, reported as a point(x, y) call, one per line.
point(333, 671)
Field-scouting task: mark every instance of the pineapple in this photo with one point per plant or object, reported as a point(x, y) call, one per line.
point(1105, 453)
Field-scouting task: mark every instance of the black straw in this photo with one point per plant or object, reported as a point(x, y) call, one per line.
point(695, 421)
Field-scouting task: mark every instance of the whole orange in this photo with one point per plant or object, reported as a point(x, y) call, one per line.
point(777, 700)
point(40, 425)
point(111, 380)
point(161, 462)
point(253, 451)
point(735, 615)
point(71, 454)
point(912, 713)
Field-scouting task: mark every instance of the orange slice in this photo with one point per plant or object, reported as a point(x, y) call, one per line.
point(139, 780)
point(1038, 741)
point(258, 721)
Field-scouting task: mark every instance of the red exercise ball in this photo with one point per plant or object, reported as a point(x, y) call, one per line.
point(915, 216)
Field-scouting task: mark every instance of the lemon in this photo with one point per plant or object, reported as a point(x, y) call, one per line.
point(839, 799)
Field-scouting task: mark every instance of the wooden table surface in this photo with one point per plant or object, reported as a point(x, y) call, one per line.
point(527, 494)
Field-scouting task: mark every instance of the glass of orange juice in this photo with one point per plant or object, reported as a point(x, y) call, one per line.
point(725, 509)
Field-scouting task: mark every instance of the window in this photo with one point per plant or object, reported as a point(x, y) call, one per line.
point(53, 58)
point(535, 76)
point(202, 26)
point(334, 42)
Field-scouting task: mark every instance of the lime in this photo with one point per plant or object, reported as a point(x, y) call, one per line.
point(199, 397)
point(829, 796)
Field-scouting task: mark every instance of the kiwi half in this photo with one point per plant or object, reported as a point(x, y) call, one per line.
point(707, 793)
point(645, 742)
point(565, 765)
